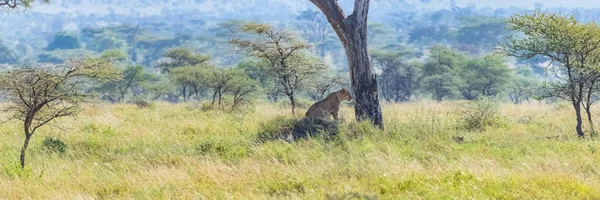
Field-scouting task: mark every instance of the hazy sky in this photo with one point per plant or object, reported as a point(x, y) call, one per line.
point(211, 5)
point(529, 3)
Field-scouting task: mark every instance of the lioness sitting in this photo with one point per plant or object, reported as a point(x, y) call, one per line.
point(329, 106)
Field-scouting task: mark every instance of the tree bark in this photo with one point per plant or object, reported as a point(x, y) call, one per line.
point(25, 144)
point(352, 32)
point(214, 98)
point(579, 119)
point(293, 102)
point(591, 121)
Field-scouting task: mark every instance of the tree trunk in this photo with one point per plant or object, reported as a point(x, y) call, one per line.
point(352, 32)
point(24, 148)
point(293, 102)
point(579, 119)
point(214, 98)
point(590, 120)
point(184, 89)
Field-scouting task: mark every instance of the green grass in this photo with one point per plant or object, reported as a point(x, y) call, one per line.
point(175, 151)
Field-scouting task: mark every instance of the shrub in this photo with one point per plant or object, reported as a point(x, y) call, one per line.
point(55, 145)
point(315, 127)
point(480, 113)
point(275, 129)
point(288, 129)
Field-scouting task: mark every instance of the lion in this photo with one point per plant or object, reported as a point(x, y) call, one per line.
point(329, 106)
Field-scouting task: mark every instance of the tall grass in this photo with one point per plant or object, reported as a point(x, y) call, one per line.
point(178, 151)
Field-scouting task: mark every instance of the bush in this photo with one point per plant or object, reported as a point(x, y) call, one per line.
point(480, 113)
point(55, 145)
point(275, 129)
point(315, 127)
point(141, 103)
point(287, 128)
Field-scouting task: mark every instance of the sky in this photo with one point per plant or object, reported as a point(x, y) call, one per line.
point(210, 5)
point(529, 3)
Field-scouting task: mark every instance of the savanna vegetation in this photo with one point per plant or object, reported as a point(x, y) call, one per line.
point(179, 151)
point(453, 103)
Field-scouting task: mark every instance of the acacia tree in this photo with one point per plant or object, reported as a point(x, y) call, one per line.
point(241, 88)
point(282, 54)
point(352, 32)
point(219, 81)
point(571, 46)
point(175, 58)
point(39, 94)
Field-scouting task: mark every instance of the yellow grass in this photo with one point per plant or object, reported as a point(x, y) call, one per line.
point(179, 152)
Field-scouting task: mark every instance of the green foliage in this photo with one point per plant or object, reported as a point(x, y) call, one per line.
point(572, 47)
point(131, 77)
point(481, 113)
point(282, 54)
point(523, 85)
point(399, 80)
point(64, 40)
point(54, 145)
point(180, 58)
point(242, 88)
point(256, 72)
point(114, 55)
point(39, 94)
point(277, 128)
point(315, 128)
point(59, 56)
point(441, 76)
point(485, 76)
point(483, 32)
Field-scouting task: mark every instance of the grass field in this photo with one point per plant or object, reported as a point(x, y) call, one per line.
point(179, 152)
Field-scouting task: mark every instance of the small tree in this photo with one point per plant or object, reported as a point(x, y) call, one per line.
point(39, 94)
point(219, 81)
point(242, 88)
point(185, 78)
point(485, 76)
point(571, 46)
point(441, 76)
point(282, 53)
point(190, 79)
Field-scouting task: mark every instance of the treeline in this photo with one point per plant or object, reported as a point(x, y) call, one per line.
point(449, 74)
